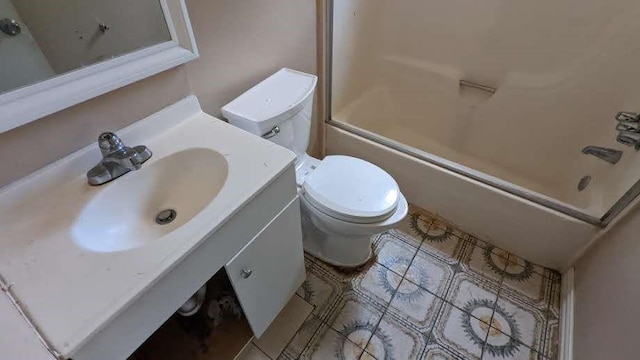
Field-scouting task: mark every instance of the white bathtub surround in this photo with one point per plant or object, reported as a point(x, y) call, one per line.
point(520, 226)
point(247, 191)
point(557, 91)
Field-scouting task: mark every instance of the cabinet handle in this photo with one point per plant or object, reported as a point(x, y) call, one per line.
point(246, 272)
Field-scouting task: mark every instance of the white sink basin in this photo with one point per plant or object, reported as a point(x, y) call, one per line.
point(123, 215)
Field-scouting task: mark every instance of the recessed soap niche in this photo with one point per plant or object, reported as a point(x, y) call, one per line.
point(217, 331)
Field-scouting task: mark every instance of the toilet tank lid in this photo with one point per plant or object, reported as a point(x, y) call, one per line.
point(274, 99)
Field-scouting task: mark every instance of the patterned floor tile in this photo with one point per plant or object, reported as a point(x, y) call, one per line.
point(443, 241)
point(466, 292)
point(487, 262)
point(499, 346)
point(415, 307)
point(441, 223)
point(327, 343)
point(356, 317)
point(309, 260)
point(394, 253)
point(555, 297)
point(302, 337)
point(321, 288)
point(430, 273)
point(516, 260)
point(435, 351)
point(378, 282)
point(285, 326)
point(392, 340)
point(519, 320)
point(552, 339)
point(412, 228)
point(483, 244)
point(435, 293)
point(529, 285)
point(367, 356)
point(460, 332)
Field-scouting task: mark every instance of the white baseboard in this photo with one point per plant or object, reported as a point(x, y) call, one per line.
point(566, 315)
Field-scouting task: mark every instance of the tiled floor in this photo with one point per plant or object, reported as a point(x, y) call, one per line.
point(434, 293)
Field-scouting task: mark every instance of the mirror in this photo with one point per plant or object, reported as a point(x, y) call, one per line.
point(42, 39)
point(58, 53)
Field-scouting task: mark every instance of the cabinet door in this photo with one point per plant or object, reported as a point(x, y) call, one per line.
point(269, 269)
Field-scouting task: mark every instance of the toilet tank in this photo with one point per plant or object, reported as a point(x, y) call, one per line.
point(279, 109)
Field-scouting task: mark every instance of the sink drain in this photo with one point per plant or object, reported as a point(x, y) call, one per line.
point(166, 216)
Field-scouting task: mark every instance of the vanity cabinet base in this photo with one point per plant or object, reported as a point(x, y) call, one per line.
point(269, 269)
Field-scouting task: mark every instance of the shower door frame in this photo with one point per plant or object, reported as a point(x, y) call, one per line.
point(486, 179)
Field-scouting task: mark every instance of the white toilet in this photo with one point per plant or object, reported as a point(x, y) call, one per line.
point(345, 200)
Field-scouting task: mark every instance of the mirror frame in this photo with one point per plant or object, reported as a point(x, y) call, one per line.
point(32, 102)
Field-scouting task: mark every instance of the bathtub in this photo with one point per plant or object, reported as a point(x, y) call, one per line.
point(413, 120)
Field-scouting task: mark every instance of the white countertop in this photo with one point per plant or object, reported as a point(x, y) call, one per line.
point(70, 292)
point(17, 339)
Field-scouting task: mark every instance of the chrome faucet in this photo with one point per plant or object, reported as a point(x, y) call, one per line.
point(611, 156)
point(117, 159)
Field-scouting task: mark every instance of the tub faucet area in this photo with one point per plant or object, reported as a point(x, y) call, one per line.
point(611, 156)
point(117, 159)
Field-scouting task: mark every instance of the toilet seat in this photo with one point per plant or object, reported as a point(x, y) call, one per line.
point(352, 190)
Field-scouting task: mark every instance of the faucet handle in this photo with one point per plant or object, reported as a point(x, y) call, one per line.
point(630, 126)
point(109, 142)
point(144, 152)
point(629, 138)
point(627, 116)
point(135, 159)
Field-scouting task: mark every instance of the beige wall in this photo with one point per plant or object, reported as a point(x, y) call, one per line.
point(242, 42)
point(607, 294)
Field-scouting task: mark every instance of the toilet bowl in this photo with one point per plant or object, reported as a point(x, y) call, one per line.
point(345, 201)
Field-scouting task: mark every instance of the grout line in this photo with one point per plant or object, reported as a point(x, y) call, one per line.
point(552, 294)
point(410, 261)
point(306, 345)
point(296, 333)
point(433, 326)
point(486, 338)
point(395, 272)
point(394, 293)
point(495, 306)
point(440, 298)
point(264, 353)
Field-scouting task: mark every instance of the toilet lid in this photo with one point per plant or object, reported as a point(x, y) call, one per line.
point(351, 189)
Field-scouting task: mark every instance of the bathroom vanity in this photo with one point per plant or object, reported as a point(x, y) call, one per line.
point(96, 275)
